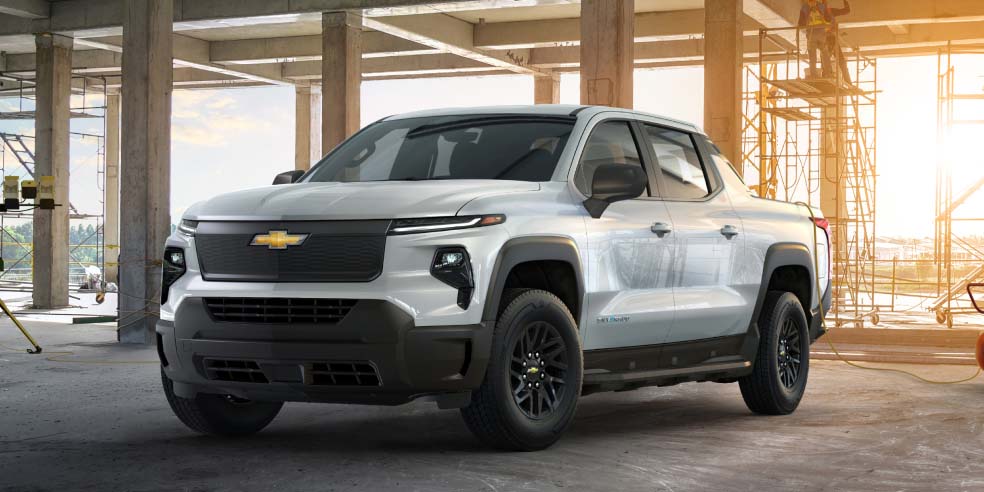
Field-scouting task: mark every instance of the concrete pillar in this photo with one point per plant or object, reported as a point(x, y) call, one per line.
point(341, 77)
point(607, 40)
point(111, 204)
point(307, 126)
point(146, 163)
point(833, 195)
point(546, 89)
point(51, 158)
point(723, 51)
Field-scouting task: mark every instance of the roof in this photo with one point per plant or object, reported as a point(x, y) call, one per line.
point(543, 110)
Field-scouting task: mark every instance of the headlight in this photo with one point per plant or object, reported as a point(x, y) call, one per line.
point(453, 267)
point(173, 269)
point(435, 224)
point(187, 227)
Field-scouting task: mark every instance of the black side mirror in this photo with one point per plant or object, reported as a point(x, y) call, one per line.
point(614, 183)
point(976, 299)
point(288, 177)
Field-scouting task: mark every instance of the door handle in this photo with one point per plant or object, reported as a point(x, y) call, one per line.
point(661, 228)
point(729, 231)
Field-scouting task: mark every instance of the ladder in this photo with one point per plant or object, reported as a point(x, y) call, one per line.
point(23, 154)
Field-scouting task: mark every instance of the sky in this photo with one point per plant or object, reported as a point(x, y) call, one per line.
point(231, 139)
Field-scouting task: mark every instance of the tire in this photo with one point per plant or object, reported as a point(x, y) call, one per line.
point(539, 414)
point(219, 415)
point(770, 389)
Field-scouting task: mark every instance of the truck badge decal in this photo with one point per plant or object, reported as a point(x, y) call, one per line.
point(278, 239)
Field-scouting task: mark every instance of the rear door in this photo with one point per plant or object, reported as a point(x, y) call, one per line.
point(708, 234)
point(628, 292)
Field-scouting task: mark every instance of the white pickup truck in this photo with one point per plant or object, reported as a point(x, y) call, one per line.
point(500, 260)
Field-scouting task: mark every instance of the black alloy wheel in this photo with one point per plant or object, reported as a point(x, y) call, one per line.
point(539, 369)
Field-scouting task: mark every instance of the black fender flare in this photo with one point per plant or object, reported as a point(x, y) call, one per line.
point(526, 249)
point(778, 255)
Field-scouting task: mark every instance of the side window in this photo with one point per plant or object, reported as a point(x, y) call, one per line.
point(684, 178)
point(610, 142)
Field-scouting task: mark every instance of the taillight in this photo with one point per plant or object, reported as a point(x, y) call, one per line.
point(823, 224)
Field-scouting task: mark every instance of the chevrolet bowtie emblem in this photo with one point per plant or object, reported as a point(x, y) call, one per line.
point(278, 240)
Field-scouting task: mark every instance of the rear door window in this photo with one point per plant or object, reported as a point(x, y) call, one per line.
point(683, 173)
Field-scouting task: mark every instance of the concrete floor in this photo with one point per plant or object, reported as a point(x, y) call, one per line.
point(72, 425)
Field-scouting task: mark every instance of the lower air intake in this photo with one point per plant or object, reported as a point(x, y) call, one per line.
point(343, 374)
point(240, 371)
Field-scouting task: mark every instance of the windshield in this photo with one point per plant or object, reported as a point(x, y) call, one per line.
point(510, 147)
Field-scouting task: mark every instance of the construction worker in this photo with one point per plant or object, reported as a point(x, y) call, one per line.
point(815, 18)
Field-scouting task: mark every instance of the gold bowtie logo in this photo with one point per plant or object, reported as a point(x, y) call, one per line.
point(278, 240)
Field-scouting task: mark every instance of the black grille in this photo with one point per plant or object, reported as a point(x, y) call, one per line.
point(337, 251)
point(241, 371)
point(343, 374)
point(278, 310)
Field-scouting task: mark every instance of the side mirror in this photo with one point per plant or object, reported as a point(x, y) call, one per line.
point(976, 299)
point(288, 177)
point(614, 183)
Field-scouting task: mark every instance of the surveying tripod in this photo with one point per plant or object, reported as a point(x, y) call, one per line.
point(29, 195)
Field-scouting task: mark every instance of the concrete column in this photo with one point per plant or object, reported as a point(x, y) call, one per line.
point(146, 163)
point(51, 153)
point(546, 89)
point(307, 126)
point(607, 40)
point(833, 194)
point(723, 51)
point(111, 219)
point(341, 77)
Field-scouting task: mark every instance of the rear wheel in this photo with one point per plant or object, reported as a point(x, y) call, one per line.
point(778, 379)
point(531, 387)
point(220, 415)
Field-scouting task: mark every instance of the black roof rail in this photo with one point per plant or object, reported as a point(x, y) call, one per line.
point(578, 110)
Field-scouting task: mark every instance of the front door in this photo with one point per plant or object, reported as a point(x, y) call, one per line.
point(628, 293)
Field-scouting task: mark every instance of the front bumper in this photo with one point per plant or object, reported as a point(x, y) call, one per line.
point(288, 362)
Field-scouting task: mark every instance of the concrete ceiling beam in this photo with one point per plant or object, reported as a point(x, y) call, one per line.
point(444, 63)
point(308, 48)
point(194, 53)
point(451, 35)
point(26, 9)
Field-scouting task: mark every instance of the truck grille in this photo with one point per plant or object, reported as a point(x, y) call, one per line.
point(343, 374)
point(278, 310)
point(332, 251)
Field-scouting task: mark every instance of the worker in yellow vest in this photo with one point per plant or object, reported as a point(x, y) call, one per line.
point(815, 19)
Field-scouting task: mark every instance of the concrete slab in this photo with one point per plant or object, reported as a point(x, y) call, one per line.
point(79, 424)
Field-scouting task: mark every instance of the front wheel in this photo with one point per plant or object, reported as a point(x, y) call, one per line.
point(778, 379)
point(220, 415)
point(529, 395)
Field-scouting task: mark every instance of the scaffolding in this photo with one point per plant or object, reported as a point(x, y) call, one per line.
point(17, 157)
point(812, 139)
point(956, 108)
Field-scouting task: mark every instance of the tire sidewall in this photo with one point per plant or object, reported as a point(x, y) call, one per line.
point(787, 307)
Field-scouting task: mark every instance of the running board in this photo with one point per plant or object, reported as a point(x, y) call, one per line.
point(692, 373)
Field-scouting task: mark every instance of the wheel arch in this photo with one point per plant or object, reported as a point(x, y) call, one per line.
point(781, 258)
point(528, 250)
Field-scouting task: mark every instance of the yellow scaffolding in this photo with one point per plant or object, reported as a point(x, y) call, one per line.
point(812, 139)
point(954, 106)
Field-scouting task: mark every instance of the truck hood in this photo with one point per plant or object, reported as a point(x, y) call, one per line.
point(352, 201)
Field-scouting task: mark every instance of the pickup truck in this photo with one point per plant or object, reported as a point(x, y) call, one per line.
point(503, 261)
